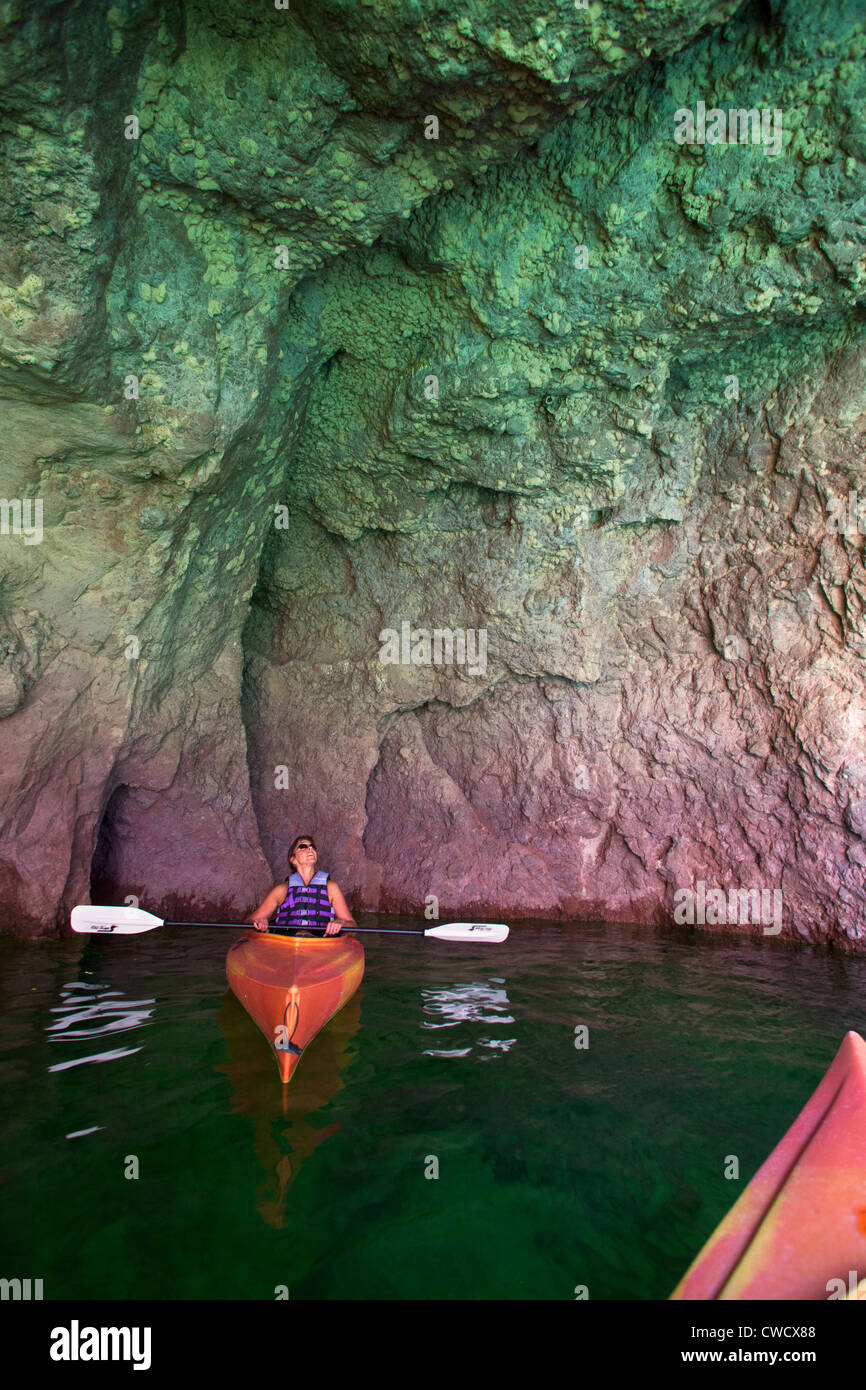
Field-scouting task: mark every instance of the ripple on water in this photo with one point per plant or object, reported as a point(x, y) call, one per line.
point(89, 1011)
point(463, 1005)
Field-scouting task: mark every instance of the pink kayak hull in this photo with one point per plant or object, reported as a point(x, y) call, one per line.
point(801, 1222)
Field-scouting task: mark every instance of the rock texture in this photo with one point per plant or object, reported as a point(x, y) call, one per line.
point(289, 362)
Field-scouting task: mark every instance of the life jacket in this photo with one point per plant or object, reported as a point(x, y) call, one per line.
point(305, 904)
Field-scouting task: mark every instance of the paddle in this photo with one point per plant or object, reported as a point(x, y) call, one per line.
point(129, 921)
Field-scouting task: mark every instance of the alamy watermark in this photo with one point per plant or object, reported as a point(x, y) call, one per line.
point(836, 1287)
point(77, 1343)
point(847, 515)
point(736, 126)
point(20, 1288)
point(712, 907)
point(22, 518)
point(441, 647)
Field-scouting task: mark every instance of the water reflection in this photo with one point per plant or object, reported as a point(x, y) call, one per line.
point(456, 1005)
point(93, 1011)
point(286, 1120)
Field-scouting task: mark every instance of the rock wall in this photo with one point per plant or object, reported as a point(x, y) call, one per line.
point(384, 318)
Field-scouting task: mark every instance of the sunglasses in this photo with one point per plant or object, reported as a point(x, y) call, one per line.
point(304, 845)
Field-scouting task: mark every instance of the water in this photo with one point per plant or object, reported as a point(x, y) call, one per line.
point(558, 1167)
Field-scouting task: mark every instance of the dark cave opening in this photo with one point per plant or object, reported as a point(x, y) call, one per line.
point(104, 865)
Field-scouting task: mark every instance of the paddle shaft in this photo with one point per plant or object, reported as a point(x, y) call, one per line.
point(282, 931)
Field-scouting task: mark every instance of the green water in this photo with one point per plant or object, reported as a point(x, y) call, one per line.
point(557, 1167)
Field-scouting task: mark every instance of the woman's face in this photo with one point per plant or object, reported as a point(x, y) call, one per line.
point(304, 853)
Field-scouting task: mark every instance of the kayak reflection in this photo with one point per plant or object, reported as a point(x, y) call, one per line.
point(463, 1006)
point(283, 1147)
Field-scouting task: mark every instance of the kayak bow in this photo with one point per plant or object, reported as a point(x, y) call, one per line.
point(801, 1222)
point(292, 985)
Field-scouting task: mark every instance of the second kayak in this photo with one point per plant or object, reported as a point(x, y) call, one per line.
point(800, 1224)
point(291, 985)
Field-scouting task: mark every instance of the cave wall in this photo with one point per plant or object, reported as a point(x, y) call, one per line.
point(624, 474)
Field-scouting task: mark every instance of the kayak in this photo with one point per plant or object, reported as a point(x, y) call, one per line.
point(291, 985)
point(798, 1231)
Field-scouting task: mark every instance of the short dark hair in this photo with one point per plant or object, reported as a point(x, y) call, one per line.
point(296, 842)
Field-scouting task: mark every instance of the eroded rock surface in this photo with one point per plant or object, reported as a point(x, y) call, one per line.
point(379, 383)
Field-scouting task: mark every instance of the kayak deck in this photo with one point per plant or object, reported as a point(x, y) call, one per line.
point(801, 1221)
point(292, 985)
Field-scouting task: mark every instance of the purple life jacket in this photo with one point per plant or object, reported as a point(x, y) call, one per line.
point(306, 905)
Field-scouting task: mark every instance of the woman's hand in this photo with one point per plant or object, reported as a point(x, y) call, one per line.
point(258, 918)
point(334, 927)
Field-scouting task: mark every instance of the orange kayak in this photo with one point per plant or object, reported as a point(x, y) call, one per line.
point(291, 985)
point(800, 1224)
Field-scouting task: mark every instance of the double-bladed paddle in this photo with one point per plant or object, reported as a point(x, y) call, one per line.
point(129, 921)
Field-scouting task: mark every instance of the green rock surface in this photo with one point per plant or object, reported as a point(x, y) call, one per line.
point(286, 372)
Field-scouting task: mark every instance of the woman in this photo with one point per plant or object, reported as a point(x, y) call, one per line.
point(309, 899)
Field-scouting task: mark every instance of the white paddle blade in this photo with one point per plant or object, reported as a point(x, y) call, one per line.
point(487, 932)
point(116, 921)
